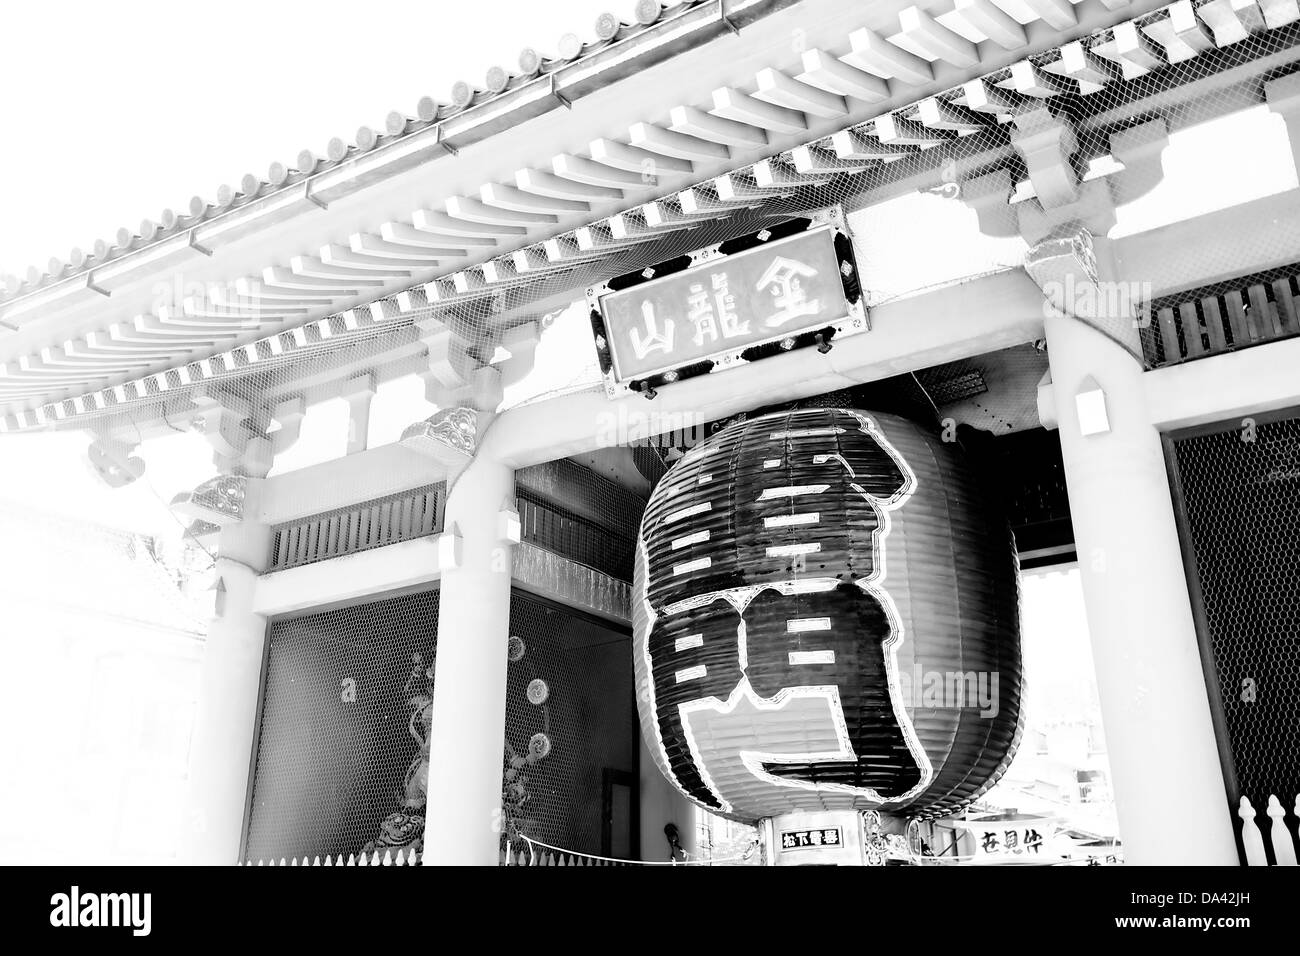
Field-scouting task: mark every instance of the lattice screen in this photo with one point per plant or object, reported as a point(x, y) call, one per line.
point(336, 738)
point(1238, 489)
point(571, 731)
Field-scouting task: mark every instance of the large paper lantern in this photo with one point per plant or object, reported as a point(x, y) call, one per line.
point(826, 619)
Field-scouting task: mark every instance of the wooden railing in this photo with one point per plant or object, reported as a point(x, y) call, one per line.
point(1223, 317)
point(370, 524)
point(1278, 837)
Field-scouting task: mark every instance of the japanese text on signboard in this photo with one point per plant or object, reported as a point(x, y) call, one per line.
point(765, 293)
point(799, 839)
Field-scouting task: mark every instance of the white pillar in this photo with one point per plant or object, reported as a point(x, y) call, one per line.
point(1168, 782)
point(463, 817)
point(231, 670)
point(662, 804)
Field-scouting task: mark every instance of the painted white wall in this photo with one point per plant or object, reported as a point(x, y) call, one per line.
point(350, 577)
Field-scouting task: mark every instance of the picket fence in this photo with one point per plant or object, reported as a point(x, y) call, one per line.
point(508, 857)
point(1279, 834)
point(400, 858)
point(553, 858)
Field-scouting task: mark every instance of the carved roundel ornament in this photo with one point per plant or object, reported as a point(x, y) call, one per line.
point(537, 692)
point(827, 618)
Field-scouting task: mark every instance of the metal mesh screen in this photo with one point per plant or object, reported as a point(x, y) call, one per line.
point(571, 733)
point(1238, 487)
point(337, 737)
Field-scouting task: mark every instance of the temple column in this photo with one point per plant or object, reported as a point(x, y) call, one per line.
point(230, 679)
point(1168, 783)
point(463, 820)
point(1160, 738)
point(222, 744)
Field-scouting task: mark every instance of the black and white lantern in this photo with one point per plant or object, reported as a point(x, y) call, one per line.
point(826, 619)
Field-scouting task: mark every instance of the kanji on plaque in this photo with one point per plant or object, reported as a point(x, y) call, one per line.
point(785, 280)
point(702, 315)
point(651, 337)
point(732, 327)
point(724, 304)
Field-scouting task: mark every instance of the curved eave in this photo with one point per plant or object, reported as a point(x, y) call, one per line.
point(440, 226)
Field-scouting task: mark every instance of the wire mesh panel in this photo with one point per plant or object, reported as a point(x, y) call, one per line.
point(1239, 486)
point(341, 729)
point(570, 747)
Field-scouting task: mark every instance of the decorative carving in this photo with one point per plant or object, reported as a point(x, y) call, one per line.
point(404, 827)
point(200, 530)
point(218, 500)
point(454, 429)
point(113, 463)
point(1069, 253)
point(1065, 267)
point(879, 846)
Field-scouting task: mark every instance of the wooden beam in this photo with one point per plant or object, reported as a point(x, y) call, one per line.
point(833, 75)
point(778, 88)
point(715, 129)
point(874, 54)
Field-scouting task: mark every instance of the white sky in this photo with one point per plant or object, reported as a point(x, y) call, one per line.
point(112, 112)
point(116, 119)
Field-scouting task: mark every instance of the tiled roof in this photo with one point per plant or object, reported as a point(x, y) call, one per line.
point(282, 175)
